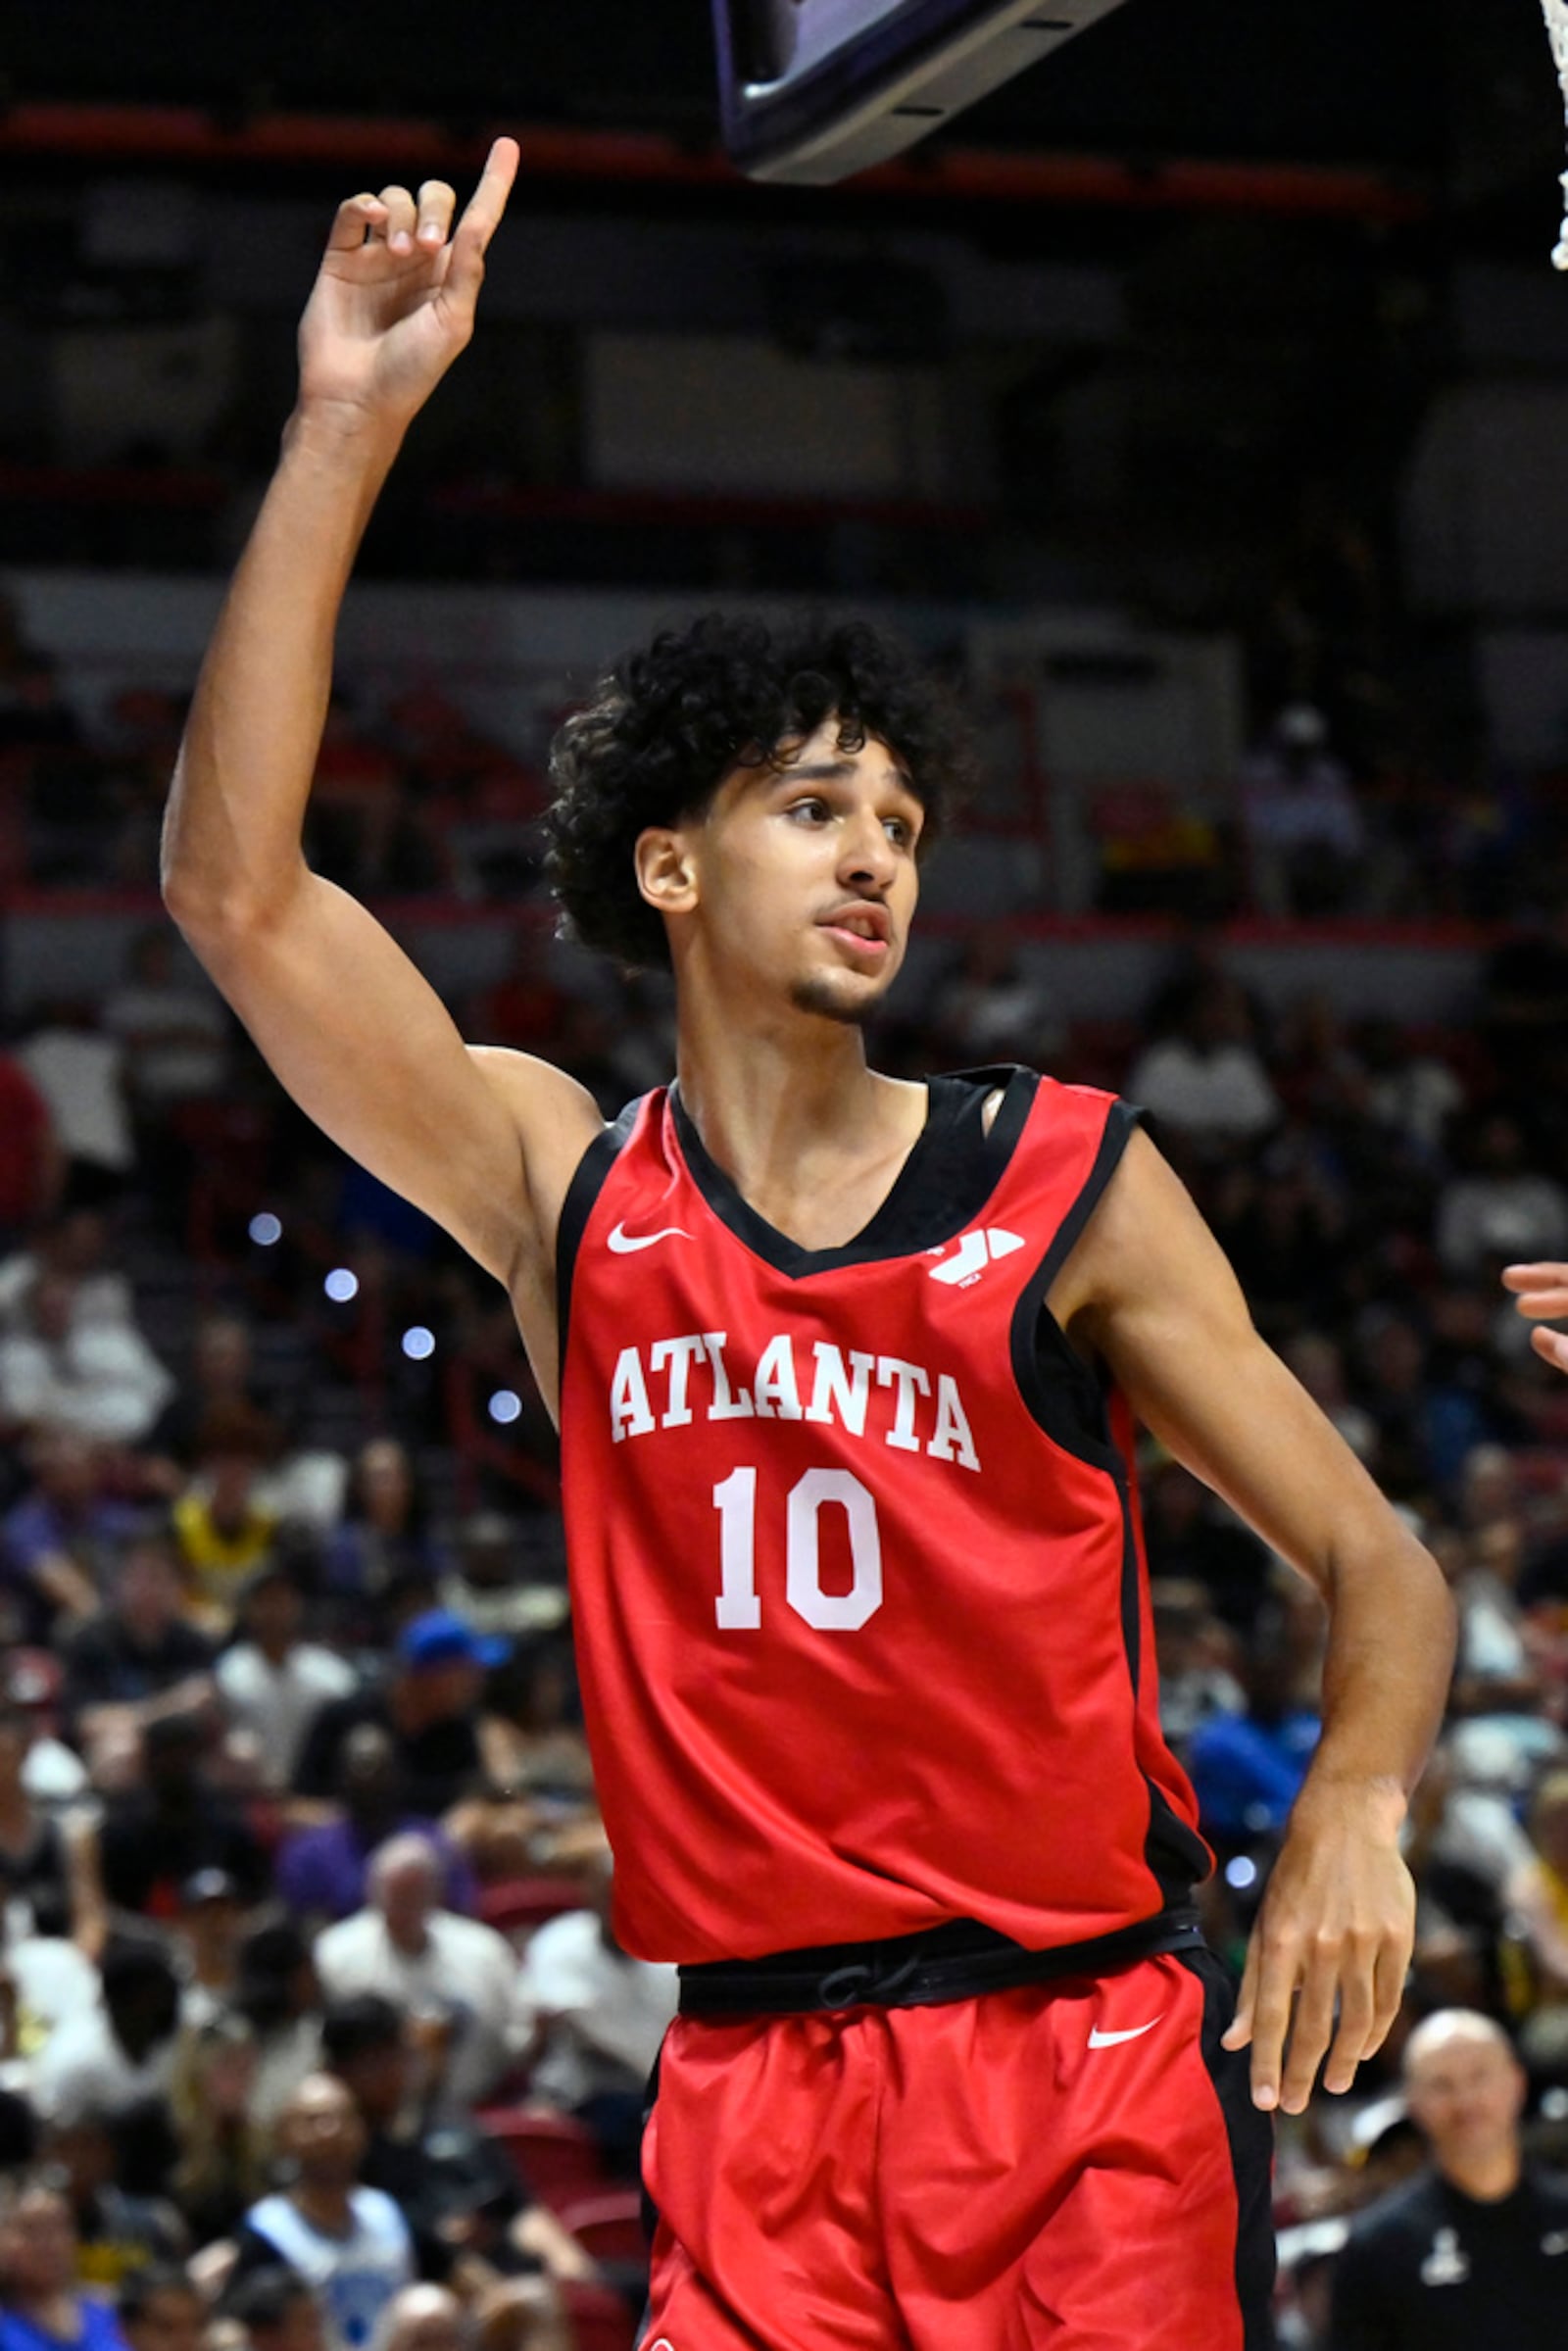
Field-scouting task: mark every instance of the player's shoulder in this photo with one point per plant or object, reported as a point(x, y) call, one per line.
point(536, 1090)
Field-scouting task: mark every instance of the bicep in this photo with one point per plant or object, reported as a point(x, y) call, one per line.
point(361, 1040)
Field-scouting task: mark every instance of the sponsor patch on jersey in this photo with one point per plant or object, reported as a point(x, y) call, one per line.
point(975, 1251)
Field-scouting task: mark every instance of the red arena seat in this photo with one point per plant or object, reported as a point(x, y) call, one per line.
point(517, 1905)
point(609, 2226)
point(600, 2320)
point(554, 2154)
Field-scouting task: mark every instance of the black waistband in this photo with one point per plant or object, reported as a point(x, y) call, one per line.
point(955, 1962)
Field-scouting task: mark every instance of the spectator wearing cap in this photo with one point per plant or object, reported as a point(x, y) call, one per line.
point(272, 1684)
point(1475, 2248)
point(209, 1922)
point(322, 1868)
point(428, 1705)
point(458, 1978)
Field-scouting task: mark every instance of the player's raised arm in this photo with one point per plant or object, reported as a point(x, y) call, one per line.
point(1540, 1294)
point(355, 1032)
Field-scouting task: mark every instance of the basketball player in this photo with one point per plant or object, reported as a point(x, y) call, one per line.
point(846, 1371)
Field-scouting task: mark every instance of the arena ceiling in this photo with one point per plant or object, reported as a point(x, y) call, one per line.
point(1457, 99)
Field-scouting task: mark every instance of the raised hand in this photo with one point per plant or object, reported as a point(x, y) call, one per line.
point(394, 300)
point(1541, 1292)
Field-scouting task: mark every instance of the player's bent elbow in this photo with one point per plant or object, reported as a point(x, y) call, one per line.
point(217, 917)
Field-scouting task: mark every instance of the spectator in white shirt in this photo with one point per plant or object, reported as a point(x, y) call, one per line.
point(602, 2014)
point(81, 1074)
point(458, 1978)
point(274, 1685)
point(121, 2054)
point(1501, 1209)
point(1206, 1083)
point(100, 1379)
point(171, 1024)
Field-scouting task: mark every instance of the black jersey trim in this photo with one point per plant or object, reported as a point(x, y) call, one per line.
point(1175, 1855)
point(587, 1181)
point(1064, 1395)
point(1250, 2141)
point(951, 1170)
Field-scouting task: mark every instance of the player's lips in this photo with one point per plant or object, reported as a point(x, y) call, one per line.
point(863, 927)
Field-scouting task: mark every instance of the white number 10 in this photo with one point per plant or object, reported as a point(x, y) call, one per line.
point(739, 1609)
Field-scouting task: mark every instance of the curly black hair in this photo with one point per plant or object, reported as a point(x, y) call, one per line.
point(670, 721)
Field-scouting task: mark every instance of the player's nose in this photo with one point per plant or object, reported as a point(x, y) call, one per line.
point(866, 855)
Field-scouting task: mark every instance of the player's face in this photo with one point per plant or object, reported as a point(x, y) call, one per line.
point(806, 877)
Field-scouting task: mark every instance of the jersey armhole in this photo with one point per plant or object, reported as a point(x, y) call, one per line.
point(1064, 1395)
point(587, 1181)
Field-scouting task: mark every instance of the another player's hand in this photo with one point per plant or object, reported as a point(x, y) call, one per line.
point(394, 300)
point(1541, 1292)
point(1335, 1930)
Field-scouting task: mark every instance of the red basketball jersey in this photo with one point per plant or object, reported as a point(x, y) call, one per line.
point(858, 1580)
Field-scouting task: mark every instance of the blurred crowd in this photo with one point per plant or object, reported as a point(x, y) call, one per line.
point(1349, 801)
point(313, 2033)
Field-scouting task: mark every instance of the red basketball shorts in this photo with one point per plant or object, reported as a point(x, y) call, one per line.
point(1075, 2164)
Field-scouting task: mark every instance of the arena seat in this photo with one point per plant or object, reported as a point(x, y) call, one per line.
point(515, 1906)
point(609, 2226)
point(554, 2154)
point(600, 2320)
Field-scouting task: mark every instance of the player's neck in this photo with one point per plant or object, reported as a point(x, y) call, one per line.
point(796, 1119)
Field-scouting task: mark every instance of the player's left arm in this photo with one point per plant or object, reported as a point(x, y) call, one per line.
point(1150, 1290)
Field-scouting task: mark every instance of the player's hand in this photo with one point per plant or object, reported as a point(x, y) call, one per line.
point(1541, 1292)
point(393, 299)
point(1335, 1930)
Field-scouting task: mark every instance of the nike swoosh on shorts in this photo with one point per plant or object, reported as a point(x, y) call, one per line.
point(1109, 2041)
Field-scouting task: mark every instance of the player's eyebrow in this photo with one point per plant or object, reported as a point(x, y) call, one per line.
point(825, 772)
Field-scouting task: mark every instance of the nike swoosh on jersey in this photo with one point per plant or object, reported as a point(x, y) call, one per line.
point(624, 1244)
point(1109, 2041)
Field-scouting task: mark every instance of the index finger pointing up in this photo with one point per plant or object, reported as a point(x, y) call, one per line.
point(482, 214)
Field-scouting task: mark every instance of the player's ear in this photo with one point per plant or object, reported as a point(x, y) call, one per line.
point(666, 873)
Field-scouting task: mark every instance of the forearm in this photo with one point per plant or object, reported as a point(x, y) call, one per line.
point(1386, 1675)
point(233, 833)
